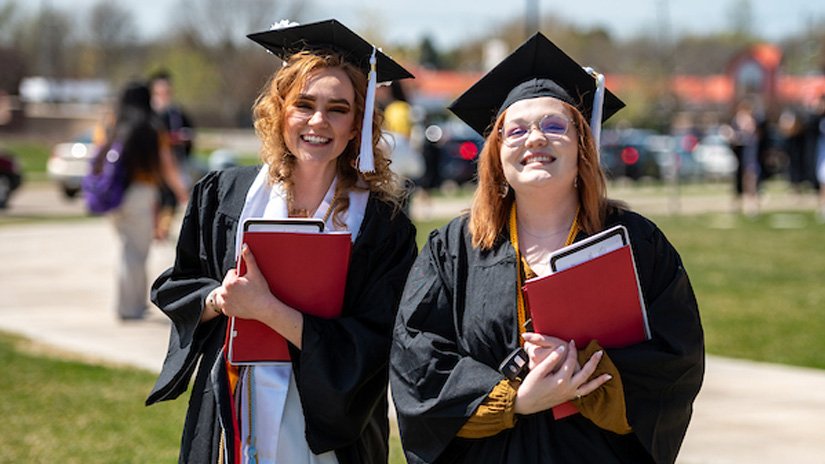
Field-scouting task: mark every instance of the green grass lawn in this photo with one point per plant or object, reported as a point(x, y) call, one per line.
point(758, 283)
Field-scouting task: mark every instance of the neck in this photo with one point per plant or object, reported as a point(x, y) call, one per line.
point(310, 184)
point(541, 216)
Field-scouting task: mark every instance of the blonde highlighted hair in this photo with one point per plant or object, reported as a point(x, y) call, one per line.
point(490, 212)
point(269, 112)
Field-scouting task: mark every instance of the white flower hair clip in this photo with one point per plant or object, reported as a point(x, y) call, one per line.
point(282, 24)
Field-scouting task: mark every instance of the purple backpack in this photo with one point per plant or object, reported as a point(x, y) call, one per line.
point(104, 185)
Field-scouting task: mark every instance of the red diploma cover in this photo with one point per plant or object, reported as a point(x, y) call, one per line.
point(599, 299)
point(305, 270)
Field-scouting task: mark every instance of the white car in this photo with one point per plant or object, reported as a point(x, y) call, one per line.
point(70, 162)
point(716, 157)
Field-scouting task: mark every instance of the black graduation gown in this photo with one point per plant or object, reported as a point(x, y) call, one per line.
point(342, 370)
point(458, 320)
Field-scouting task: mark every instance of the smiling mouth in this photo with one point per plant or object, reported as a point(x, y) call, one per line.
point(538, 159)
point(315, 139)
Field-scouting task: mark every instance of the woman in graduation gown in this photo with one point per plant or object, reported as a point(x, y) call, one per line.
point(329, 403)
point(463, 313)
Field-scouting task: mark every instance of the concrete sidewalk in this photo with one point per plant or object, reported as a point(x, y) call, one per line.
point(56, 287)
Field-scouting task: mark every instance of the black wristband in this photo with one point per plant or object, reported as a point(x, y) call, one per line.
point(515, 364)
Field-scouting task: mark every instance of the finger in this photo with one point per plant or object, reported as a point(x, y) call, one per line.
point(548, 364)
point(571, 363)
point(541, 340)
point(231, 276)
point(249, 259)
point(589, 367)
point(591, 386)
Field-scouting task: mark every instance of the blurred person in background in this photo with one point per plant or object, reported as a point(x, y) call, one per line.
point(792, 129)
point(464, 312)
point(321, 159)
point(748, 143)
point(149, 161)
point(181, 137)
point(820, 156)
point(397, 113)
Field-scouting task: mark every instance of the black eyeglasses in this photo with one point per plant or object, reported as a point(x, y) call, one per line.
point(551, 125)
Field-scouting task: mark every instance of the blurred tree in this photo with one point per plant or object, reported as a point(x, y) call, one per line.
point(216, 31)
point(112, 29)
point(8, 16)
point(47, 39)
point(12, 70)
point(428, 55)
point(224, 23)
point(740, 17)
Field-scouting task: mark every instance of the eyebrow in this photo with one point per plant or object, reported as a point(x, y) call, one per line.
point(333, 101)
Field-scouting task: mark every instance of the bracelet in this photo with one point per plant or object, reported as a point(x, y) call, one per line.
point(210, 301)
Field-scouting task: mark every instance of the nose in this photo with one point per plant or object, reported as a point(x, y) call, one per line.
point(317, 118)
point(535, 137)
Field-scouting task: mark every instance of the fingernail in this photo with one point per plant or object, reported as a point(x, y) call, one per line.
point(599, 353)
point(572, 343)
point(609, 377)
point(560, 349)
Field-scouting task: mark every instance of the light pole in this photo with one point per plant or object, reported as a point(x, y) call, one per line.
point(531, 18)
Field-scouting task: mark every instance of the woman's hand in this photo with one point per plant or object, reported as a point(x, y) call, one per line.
point(249, 297)
point(538, 347)
point(556, 379)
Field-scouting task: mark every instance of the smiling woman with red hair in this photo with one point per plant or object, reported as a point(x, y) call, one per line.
point(460, 394)
point(321, 159)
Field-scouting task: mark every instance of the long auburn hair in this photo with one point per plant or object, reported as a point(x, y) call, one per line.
point(490, 212)
point(269, 111)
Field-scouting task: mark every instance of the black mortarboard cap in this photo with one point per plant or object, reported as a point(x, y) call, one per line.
point(538, 68)
point(286, 41)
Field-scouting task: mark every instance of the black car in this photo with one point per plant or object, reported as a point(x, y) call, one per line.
point(449, 147)
point(11, 175)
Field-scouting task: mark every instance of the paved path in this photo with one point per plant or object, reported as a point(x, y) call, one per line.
point(56, 287)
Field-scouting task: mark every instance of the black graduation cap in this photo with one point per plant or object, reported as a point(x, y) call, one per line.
point(538, 68)
point(286, 41)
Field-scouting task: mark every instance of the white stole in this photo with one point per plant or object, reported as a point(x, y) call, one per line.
point(271, 383)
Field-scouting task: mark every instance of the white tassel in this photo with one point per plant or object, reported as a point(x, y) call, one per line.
point(366, 161)
point(598, 104)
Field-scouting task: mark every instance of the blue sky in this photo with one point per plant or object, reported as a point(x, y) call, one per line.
point(450, 22)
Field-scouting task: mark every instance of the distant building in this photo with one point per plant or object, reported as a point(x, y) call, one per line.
point(37, 89)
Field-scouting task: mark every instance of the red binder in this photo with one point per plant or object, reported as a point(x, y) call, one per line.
point(599, 299)
point(305, 270)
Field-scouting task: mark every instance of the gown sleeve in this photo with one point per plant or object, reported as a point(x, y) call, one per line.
point(180, 292)
point(435, 385)
point(342, 370)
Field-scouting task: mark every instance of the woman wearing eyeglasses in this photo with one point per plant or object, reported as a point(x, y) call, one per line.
point(463, 313)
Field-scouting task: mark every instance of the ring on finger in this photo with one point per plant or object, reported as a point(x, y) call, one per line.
point(578, 395)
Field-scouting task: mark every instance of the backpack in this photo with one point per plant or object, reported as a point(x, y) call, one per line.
point(105, 183)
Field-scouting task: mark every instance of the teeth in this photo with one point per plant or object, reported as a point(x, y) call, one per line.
point(539, 159)
point(315, 139)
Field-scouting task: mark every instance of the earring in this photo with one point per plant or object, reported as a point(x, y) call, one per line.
point(576, 182)
point(503, 189)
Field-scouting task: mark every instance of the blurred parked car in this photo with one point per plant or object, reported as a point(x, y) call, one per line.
point(627, 153)
point(675, 156)
point(459, 146)
point(70, 161)
point(406, 162)
point(11, 176)
point(715, 157)
point(448, 146)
